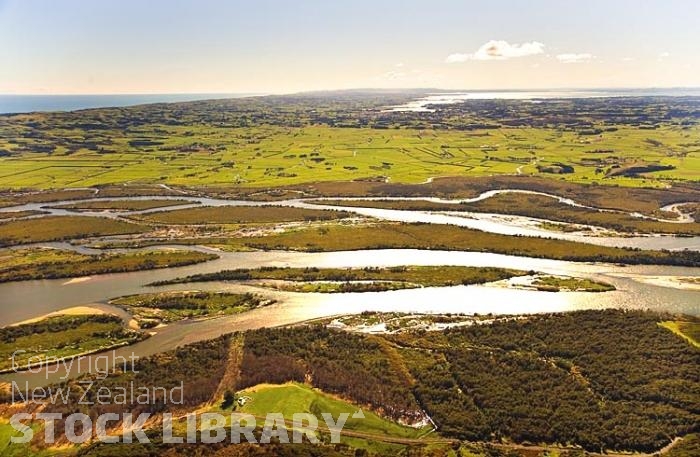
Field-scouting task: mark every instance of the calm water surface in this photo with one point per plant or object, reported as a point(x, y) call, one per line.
point(635, 288)
point(494, 223)
point(22, 300)
point(31, 103)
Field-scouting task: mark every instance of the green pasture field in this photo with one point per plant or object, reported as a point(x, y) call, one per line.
point(260, 156)
point(298, 398)
point(9, 449)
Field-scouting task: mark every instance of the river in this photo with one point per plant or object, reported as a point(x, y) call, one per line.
point(638, 287)
point(495, 223)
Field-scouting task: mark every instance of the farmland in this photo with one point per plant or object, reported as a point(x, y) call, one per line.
point(631, 142)
point(295, 398)
point(580, 373)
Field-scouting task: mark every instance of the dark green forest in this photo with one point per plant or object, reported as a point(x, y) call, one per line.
point(600, 380)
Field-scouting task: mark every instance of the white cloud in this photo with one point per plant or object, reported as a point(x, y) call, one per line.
point(628, 59)
point(664, 55)
point(394, 75)
point(405, 76)
point(498, 50)
point(575, 58)
point(457, 58)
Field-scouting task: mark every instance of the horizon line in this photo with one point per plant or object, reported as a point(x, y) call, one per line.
point(396, 89)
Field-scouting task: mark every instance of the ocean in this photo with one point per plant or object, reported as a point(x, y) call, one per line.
point(30, 103)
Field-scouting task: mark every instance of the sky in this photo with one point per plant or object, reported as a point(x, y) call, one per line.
point(283, 46)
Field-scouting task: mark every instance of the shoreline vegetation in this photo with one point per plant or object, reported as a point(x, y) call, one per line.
point(328, 231)
point(154, 309)
point(354, 235)
point(240, 215)
point(579, 383)
point(72, 311)
point(534, 206)
point(320, 287)
point(49, 263)
point(375, 279)
point(548, 283)
point(377, 322)
point(466, 378)
point(122, 205)
point(450, 238)
point(62, 228)
point(610, 196)
point(413, 276)
point(7, 215)
point(62, 337)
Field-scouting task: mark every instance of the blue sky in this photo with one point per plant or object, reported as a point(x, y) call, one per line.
point(210, 46)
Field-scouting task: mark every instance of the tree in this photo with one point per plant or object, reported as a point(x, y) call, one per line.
point(229, 399)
